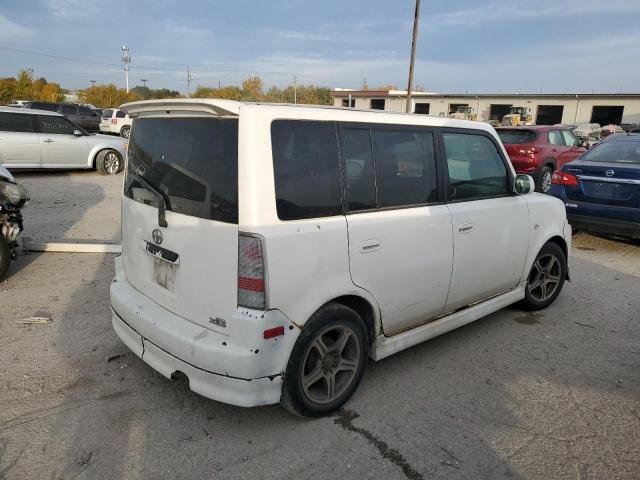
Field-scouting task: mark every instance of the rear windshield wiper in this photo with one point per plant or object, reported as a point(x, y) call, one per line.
point(164, 203)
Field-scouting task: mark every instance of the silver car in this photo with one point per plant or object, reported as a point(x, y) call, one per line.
point(40, 139)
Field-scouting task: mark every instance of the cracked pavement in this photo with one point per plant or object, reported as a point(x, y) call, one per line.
point(555, 394)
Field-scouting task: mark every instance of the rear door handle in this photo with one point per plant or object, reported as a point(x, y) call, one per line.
point(48, 140)
point(465, 228)
point(370, 246)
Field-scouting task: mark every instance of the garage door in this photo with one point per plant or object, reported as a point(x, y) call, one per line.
point(605, 115)
point(549, 114)
point(497, 111)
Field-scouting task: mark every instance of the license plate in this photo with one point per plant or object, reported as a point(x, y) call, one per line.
point(164, 273)
point(605, 190)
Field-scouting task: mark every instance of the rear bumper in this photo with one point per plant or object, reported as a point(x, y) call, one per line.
point(604, 225)
point(244, 369)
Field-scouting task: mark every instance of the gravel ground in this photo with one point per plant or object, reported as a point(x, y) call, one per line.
point(516, 395)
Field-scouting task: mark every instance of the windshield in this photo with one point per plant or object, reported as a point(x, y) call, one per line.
point(614, 152)
point(516, 136)
point(194, 161)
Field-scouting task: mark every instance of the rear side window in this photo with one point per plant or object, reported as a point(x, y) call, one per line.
point(405, 167)
point(358, 159)
point(121, 114)
point(306, 169)
point(69, 109)
point(194, 161)
point(476, 169)
point(107, 114)
point(516, 136)
point(15, 122)
point(555, 137)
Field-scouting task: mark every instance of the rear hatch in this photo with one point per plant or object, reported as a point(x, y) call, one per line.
point(518, 143)
point(105, 120)
point(608, 174)
point(187, 165)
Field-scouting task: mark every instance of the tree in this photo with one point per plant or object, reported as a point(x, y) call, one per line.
point(252, 88)
point(142, 91)
point(24, 85)
point(7, 90)
point(106, 96)
point(51, 92)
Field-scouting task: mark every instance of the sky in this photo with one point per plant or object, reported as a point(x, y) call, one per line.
point(528, 46)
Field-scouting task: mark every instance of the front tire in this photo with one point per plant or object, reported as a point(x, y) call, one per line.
point(327, 362)
point(108, 162)
point(125, 132)
point(5, 257)
point(546, 278)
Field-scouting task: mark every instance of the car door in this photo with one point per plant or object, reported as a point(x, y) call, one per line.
point(400, 246)
point(490, 223)
point(19, 144)
point(88, 119)
point(557, 147)
point(60, 148)
point(572, 148)
point(71, 112)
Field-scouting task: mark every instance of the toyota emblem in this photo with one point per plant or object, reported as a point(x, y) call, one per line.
point(610, 173)
point(157, 236)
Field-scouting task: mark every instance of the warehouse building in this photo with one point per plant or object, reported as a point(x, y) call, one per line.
point(546, 109)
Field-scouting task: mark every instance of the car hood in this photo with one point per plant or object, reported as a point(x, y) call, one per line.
point(107, 140)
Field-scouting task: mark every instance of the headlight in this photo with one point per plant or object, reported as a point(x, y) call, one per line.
point(13, 193)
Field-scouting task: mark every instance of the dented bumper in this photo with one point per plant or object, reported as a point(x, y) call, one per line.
point(245, 371)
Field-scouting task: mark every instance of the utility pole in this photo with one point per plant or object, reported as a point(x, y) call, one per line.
point(416, 17)
point(295, 89)
point(126, 60)
point(144, 82)
point(93, 84)
point(189, 78)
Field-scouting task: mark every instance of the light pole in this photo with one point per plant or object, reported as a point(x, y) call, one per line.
point(189, 78)
point(416, 17)
point(295, 89)
point(126, 60)
point(93, 83)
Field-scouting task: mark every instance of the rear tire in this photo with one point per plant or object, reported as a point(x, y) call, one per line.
point(546, 278)
point(125, 132)
point(108, 162)
point(327, 362)
point(544, 179)
point(5, 257)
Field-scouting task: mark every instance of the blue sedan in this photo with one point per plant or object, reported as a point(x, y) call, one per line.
point(601, 188)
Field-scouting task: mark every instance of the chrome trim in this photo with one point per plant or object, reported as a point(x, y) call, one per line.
point(627, 181)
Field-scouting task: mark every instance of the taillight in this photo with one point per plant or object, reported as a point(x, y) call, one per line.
point(251, 274)
point(563, 178)
point(527, 150)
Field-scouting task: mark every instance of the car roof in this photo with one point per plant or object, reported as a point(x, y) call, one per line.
point(536, 128)
point(29, 111)
point(320, 112)
point(623, 137)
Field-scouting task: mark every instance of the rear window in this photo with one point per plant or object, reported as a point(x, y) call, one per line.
point(107, 114)
point(194, 161)
point(306, 169)
point(614, 152)
point(516, 136)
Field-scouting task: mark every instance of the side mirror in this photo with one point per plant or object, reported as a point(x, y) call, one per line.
point(77, 133)
point(524, 185)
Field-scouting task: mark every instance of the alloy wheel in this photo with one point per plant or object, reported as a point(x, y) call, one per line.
point(544, 278)
point(112, 163)
point(545, 182)
point(330, 364)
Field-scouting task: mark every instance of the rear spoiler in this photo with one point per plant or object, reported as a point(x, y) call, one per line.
point(202, 105)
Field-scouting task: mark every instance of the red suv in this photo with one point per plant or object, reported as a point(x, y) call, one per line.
point(540, 150)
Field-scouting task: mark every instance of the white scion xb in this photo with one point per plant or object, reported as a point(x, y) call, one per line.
point(270, 250)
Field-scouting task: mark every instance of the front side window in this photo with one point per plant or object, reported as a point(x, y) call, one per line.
point(476, 169)
point(15, 122)
point(358, 160)
point(55, 125)
point(555, 138)
point(569, 138)
point(87, 111)
point(107, 113)
point(194, 161)
point(121, 114)
point(306, 169)
point(405, 167)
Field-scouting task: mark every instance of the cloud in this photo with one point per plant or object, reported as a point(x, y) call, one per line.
point(12, 32)
point(502, 11)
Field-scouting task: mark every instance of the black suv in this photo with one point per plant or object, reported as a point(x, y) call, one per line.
point(78, 114)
